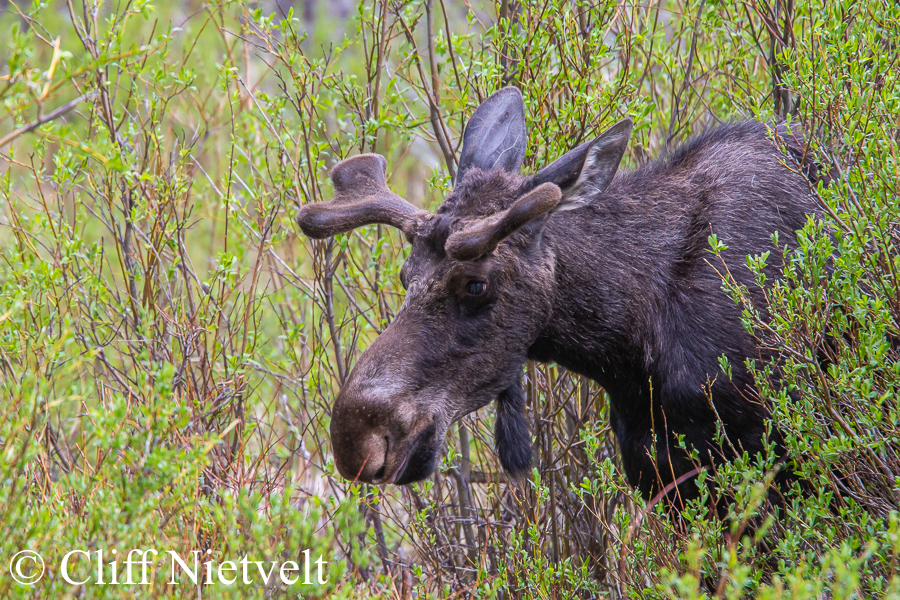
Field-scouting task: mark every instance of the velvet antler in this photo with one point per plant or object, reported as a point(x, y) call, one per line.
point(483, 236)
point(362, 198)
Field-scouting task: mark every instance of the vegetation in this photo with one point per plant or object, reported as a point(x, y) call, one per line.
point(170, 346)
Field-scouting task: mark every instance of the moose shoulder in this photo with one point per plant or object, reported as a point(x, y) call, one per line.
point(602, 272)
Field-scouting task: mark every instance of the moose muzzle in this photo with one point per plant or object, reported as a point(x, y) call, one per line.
point(382, 431)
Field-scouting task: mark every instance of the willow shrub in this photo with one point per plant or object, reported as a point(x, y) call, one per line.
point(170, 347)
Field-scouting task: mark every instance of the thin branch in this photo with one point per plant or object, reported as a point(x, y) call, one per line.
point(45, 119)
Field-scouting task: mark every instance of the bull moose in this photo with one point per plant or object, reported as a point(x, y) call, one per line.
point(602, 272)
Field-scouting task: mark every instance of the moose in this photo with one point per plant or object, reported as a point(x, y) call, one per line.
point(605, 273)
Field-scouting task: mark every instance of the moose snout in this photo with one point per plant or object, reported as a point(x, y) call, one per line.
point(363, 459)
point(377, 442)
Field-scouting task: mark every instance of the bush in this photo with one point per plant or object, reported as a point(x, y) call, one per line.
point(170, 346)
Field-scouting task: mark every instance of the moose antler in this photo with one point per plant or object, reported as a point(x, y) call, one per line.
point(362, 198)
point(483, 236)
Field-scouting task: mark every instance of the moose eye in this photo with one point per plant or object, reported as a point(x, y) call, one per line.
point(476, 288)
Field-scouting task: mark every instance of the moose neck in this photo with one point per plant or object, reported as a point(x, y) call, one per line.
point(609, 268)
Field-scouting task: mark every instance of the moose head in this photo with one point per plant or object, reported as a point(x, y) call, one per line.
point(480, 288)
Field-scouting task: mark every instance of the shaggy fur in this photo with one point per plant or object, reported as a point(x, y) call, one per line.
point(639, 306)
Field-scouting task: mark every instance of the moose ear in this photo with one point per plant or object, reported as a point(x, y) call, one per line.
point(495, 135)
point(590, 167)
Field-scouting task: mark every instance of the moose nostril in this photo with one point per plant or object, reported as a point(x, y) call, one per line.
point(379, 474)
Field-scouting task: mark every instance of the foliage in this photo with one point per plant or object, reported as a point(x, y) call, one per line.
point(170, 346)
